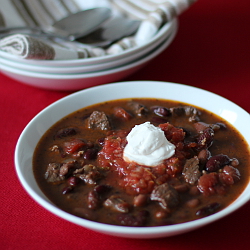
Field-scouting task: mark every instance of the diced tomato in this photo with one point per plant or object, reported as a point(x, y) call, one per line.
point(172, 133)
point(73, 145)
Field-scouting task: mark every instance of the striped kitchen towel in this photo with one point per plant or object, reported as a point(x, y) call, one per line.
point(43, 13)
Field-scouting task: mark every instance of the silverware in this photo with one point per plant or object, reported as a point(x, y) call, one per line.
point(71, 27)
point(81, 23)
point(111, 31)
point(101, 35)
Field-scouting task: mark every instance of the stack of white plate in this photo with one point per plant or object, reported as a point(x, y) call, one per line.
point(82, 73)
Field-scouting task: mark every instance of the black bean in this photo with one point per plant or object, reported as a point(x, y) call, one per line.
point(216, 162)
point(208, 210)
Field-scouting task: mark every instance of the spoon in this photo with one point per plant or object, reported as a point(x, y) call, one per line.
point(81, 23)
point(110, 31)
point(105, 34)
point(71, 27)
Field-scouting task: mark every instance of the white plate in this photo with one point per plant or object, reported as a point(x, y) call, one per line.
point(89, 68)
point(81, 81)
point(45, 119)
point(162, 33)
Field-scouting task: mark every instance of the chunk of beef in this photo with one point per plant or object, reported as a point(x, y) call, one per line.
point(117, 204)
point(137, 108)
point(191, 170)
point(88, 173)
point(68, 167)
point(166, 195)
point(98, 120)
point(52, 173)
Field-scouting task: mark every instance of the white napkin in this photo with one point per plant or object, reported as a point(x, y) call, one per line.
point(43, 13)
point(29, 47)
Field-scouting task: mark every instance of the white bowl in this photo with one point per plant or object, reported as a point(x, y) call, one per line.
point(39, 125)
point(69, 69)
point(158, 38)
point(80, 81)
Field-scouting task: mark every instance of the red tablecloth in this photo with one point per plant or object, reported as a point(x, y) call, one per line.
point(210, 51)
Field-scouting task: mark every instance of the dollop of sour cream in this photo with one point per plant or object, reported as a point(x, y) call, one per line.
point(147, 145)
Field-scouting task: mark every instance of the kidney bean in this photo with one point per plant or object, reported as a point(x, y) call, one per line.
point(122, 113)
point(193, 203)
point(140, 200)
point(93, 200)
point(90, 154)
point(67, 190)
point(203, 156)
point(73, 181)
point(205, 139)
point(137, 220)
point(221, 125)
point(101, 141)
point(161, 111)
point(117, 204)
point(208, 210)
point(229, 175)
point(101, 189)
point(161, 214)
point(216, 162)
point(200, 126)
point(65, 132)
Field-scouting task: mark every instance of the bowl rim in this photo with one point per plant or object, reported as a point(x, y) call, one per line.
point(123, 231)
point(93, 60)
point(80, 69)
point(145, 58)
